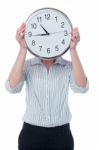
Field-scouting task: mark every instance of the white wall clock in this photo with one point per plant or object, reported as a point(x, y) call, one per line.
point(47, 33)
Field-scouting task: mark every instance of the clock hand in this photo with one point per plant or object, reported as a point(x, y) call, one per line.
point(58, 32)
point(40, 35)
point(47, 34)
point(45, 30)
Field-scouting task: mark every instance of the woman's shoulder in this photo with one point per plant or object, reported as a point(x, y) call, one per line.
point(29, 61)
point(66, 62)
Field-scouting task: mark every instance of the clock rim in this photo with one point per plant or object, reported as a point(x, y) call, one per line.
point(44, 8)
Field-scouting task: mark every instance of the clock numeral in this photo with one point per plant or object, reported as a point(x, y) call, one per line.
point(40, 48)
point(34, 26)
point(56, 48)
point(62, 24)
point(65, 33)
point(56, 18)
point(63, 41)
point(48, 50)
point(47, 16)
point(33, 43)
point(29, 34)
point(39, 19)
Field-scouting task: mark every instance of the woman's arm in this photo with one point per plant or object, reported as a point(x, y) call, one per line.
point(16, 73)
point(77, 69)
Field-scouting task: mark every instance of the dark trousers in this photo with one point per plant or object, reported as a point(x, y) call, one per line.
point(34, 137)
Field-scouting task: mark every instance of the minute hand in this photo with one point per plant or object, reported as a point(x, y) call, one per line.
point(41, 35)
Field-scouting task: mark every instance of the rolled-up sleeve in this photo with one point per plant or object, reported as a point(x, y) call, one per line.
point(16, 89)
point(19, 86)
point(73, 85)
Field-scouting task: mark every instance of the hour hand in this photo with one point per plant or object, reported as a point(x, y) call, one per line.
point(45, 30)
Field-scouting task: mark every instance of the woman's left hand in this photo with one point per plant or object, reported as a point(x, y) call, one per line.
point(75, 38)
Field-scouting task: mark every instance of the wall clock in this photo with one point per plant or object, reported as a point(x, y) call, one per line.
point(47, 33)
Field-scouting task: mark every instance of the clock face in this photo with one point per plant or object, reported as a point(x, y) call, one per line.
point(47, 33)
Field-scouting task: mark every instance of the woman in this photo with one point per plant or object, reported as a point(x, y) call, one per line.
point(46, 122)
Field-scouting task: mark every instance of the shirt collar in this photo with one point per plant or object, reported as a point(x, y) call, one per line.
point(59, 60)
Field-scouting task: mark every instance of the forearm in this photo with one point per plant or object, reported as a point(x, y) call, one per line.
point(77, 69)
point(17, 71)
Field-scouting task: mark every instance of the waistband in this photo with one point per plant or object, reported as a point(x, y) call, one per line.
point(36, 127)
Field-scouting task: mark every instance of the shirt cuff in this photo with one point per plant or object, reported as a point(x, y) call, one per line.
point(17, 89)
point(78, 89)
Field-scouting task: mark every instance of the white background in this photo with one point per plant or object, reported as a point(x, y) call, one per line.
point(84, 107)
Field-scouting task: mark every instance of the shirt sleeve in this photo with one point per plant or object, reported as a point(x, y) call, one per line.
point(19, 86)
point(73, 85)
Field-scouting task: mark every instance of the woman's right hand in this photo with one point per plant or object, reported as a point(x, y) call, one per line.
point(20, 36)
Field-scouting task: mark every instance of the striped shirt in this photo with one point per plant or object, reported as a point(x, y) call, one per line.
point(47, 92)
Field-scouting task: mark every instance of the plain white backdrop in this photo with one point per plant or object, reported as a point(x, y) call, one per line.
point(84, 107)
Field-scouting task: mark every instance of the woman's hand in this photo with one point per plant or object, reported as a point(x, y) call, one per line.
point(20, 36)
point(75, 38)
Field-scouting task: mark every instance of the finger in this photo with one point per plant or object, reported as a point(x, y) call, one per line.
point(75, 34)
point(22, 27)
point(20, 30)
point(20, 36)
point(75, 38)
point(75, 29)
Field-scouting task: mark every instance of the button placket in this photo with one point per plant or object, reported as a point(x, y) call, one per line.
point(48, 94)
point(47, 97)
point(47, 73)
